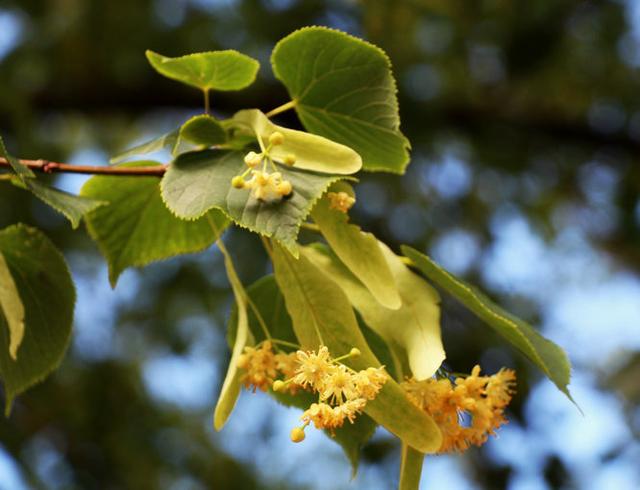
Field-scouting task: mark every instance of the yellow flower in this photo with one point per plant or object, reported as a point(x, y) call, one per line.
point(369, 382)
point(340, 201)
point(339, 385)
point(260, 366)
point(313, 368)
point(351, 408)
point(482, 397)
point(268, 187)
point(323, 416)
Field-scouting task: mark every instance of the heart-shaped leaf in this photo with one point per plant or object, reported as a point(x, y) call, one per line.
point(199, 181)
point(136, 228)
point(312, 152)
point(214, 70)
point(44, 285)
point(343, 89)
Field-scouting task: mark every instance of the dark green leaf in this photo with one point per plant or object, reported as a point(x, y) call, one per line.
point(44, 284)
point(549, 357)
point(20, 169)
point(72, 206)
point(203, 130)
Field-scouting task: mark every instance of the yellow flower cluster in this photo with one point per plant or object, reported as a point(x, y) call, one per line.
point(340, 201)
point(265, 186)
point(262, 366)
point(483, 398)
point(342, 392)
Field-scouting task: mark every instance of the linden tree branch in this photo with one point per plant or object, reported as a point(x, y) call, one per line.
point(47, 167)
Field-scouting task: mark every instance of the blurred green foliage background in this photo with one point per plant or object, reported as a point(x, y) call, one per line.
point(525, 124)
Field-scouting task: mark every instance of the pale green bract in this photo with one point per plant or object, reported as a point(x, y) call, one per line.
point(12, 308)
point(136, 228)
point(213, 70)
point(343, 89)
point(199, 181)
point(414, 328)
point(312, 152)
point(351, 245)
point(47, 292)
point(322, 315)
point(549, 357)
point(231, 385)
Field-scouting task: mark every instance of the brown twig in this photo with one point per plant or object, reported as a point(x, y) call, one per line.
point(47, 167)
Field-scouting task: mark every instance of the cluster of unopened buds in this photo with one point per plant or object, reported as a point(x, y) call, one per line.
point(483, 399)
point(264, 185)
point(342, 392)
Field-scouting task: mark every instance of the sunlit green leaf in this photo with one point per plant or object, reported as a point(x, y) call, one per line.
point(312, 152)
point(343, 89)
point(322, 315)
point(167, 141)
point(549, 357)
point(203, 130)
point(11, 307)
point(136, 228)
point(214, 70)
point(47, 292)
point(199, 181)
point(414, 327)
point(358, 250)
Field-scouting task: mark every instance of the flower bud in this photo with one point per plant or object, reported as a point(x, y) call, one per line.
point(297, 434)
point(238, 182)
point(253, 159)
point(278, 385)
point(276, 138)
point(285, 188)
point(289, 159)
